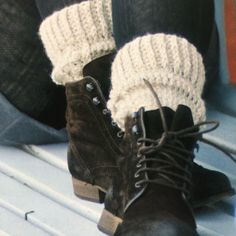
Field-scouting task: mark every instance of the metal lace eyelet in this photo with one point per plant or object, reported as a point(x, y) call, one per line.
point(134, 115)
point(89, 87)
point(96, 101)
point(184, 196)
point(113, 123)
point(139, 143)
point(120, 134)
point(139, 155)
point(136, 175)
point(105, 111)
point(137, 185)
point(138, 165)
point(135, 129)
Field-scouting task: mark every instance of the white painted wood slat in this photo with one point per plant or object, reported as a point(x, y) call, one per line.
point(46, 175)
point(13, 225)
point(47, 214)
point(50, 183)
point(47, 179)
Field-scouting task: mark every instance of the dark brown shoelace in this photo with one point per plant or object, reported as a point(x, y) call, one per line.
point(171, 151)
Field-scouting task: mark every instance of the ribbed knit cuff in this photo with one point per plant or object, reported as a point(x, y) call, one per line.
point(172, 65)
point(76, 35)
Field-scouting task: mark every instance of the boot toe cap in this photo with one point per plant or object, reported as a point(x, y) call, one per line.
point(210, 185)
point(167, 227)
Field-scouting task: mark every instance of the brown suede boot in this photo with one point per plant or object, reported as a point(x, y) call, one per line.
point(152, 195)
point(209, 186)
point(93, 137)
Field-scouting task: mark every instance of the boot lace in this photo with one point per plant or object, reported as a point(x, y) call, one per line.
point(174, 162)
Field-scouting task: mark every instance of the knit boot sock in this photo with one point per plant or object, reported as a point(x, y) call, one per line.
point(170, 63)
point(75, 36)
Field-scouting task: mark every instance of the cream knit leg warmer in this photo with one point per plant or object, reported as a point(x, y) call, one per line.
point(170, 63)
point(76, 35)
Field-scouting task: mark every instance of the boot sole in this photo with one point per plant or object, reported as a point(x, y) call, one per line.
point(214, 199)
point(88, 191)
point(108, 223)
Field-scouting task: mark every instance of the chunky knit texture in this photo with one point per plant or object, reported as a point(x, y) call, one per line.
point(170, 63)
point(76, 35)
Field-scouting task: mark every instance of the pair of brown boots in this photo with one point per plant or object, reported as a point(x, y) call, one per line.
point(146, 176)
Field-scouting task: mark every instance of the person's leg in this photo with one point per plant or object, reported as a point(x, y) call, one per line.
point(129, 22)
point(170, 35)
point(24, 68)
point(161, 42)
point(46, 8)
point(78, 41)
point(99, 68)
point(190, 19)
point(75, 36)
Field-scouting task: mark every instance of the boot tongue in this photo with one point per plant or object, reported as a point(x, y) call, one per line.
point(153, 122)
point(182, 119)
point(179, 120)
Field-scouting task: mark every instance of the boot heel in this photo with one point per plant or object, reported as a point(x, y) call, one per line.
point(108, 223)
point(88, 191)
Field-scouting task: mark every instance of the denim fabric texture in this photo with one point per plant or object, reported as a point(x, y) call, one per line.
point(16, 128)
point(46, 8)
point(30, 102)
point(190, 19)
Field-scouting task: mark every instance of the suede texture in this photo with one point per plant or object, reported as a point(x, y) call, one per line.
point(208, 184)
point(152, 206)
point(155, 226)
point(93, 141)
point(100, 69)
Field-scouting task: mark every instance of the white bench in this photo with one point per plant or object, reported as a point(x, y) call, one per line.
point(36, 196)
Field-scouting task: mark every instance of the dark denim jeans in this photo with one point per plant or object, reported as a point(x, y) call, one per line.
point(32, 107)
point(47, 7)
point(16, 128)
point(191, 19)
point(24, 68)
